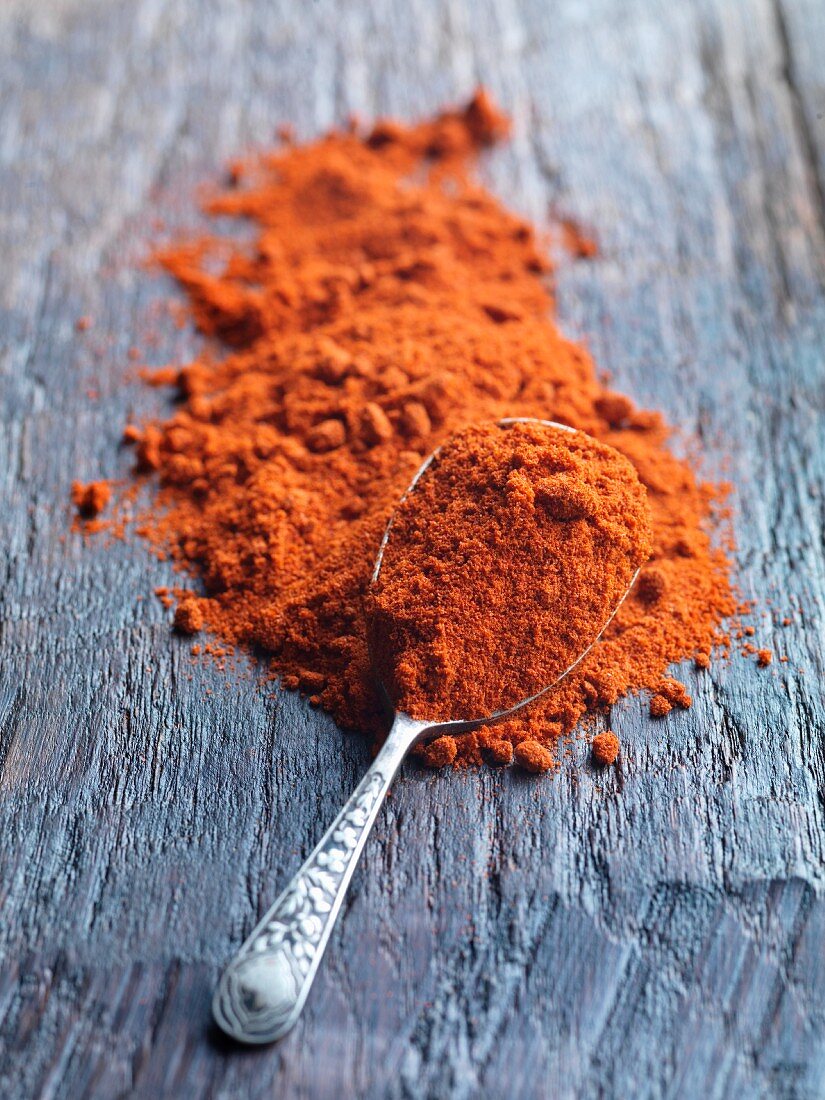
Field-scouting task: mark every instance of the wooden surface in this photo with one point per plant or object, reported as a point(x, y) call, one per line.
point(659, 931)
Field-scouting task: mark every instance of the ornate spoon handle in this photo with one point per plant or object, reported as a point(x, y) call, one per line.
point(262, 991)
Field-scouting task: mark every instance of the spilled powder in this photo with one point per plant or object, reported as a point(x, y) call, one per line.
point(91, 498)
point(605, 749)
point(385, 302)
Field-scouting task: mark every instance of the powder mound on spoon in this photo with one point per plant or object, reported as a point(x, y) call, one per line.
point(503, 565)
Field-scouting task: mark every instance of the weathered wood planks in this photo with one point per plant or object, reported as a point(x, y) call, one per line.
point(656, 932)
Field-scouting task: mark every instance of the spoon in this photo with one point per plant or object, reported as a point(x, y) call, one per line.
point(263, 989)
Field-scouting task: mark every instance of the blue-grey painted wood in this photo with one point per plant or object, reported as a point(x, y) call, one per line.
point(658, 931)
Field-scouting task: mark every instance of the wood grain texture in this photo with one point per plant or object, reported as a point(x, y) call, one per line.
point(658, 931)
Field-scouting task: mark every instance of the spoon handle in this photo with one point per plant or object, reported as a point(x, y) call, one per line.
point(263, 989)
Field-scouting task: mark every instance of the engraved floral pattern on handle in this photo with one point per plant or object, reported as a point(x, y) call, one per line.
point(299, 917)
point(262, 991)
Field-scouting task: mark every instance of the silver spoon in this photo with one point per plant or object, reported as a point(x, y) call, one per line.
point(263, 989)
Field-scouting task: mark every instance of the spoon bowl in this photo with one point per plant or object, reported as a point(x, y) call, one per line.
point(263, 989)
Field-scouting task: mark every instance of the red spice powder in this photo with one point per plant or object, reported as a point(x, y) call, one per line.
point(605, 749)
point(669, 693)
point(92, 498)
point(440, 752)
point(495, 750)
point(385, 302)
point(576, 241)
point(533, 756)
point(502, 567)
point(188, 616)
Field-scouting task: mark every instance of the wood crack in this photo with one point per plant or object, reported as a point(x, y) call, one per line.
point(804, 133)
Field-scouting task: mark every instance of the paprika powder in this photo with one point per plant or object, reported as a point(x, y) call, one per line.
point(503, 564)
point(385, 302)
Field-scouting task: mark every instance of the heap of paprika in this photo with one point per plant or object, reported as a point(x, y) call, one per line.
point(385, 302)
